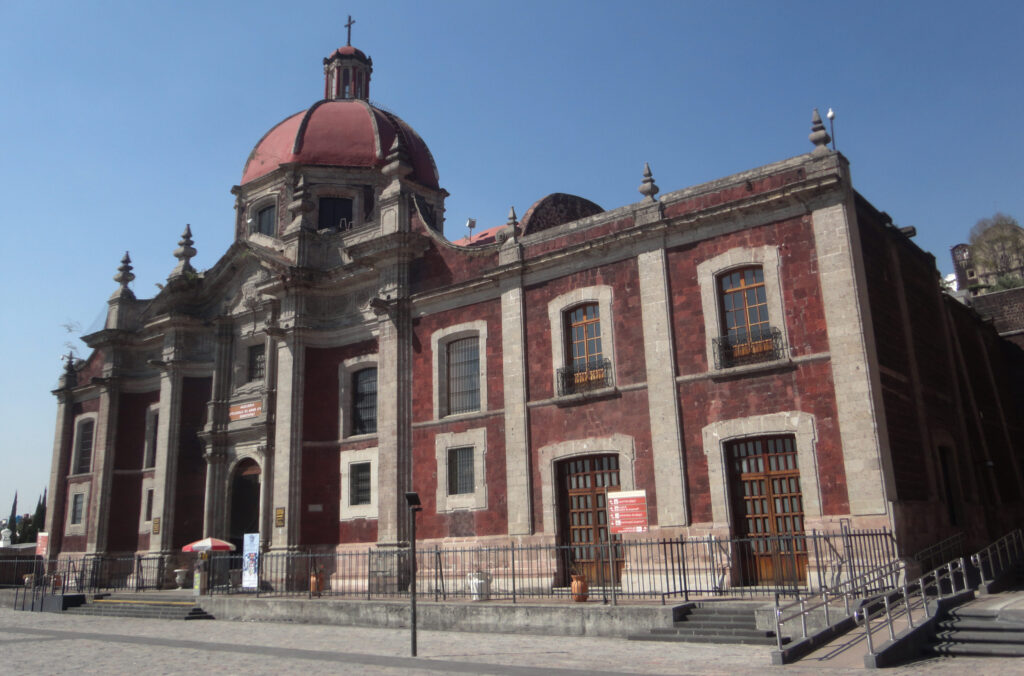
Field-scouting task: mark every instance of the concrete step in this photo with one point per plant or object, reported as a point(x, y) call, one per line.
point(142, 610)
point(980, 636)
point(700, 631)
point(679, 638)
point(745, 623)
point(980, 625)
point(976, 649)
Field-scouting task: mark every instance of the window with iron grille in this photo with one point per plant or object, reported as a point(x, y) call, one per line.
point(149, 505)
point(360, 490)
point(266, 221)
point(460, 470)
point(586, 368)
point(364, 402)
point(83, 454)
point(335, 212)
point(463, 375)
point(77, 504)
point(257, 362)
point(744, 306)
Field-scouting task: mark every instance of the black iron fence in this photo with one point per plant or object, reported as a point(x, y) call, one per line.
point(595, 374)
point(651, 569)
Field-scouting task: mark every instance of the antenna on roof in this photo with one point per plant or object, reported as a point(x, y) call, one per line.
point(471, 223)
point(831, 115)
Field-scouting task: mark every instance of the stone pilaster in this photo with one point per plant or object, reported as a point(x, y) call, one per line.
point(165, 473)
point(662, 397)
point(517, 450)
point(857, 385)
point(103, 468)
point(286, 483)
point(62, 438)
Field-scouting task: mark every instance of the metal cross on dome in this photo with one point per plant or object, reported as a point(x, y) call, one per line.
point(348, 42)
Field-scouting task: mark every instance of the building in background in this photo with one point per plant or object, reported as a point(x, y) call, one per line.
point(762, 354)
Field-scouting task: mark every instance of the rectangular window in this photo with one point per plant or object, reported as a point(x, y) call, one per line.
point(360, 490)
point(364, 401)
point(77, 504)
point(460, 470)
point(83, 462)
point(586, 368)
point(266, 221)
point(152, 432)
point(747, 337)
point(335, 212)
point(149, 505)
point(463, 377)
point(257, 362)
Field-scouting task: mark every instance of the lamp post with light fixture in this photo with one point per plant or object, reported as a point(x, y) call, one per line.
point(413, 500)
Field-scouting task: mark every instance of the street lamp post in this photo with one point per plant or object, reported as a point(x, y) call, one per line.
point(413, 500)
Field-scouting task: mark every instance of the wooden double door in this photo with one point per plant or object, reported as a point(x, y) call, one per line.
point(768, 510)
point(583, 532)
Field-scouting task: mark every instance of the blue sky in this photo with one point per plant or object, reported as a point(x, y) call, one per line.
point(123, 121)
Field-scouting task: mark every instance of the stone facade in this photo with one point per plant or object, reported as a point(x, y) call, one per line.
point(899, 402)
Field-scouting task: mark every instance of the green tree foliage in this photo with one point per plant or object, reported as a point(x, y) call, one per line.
point(997, 246)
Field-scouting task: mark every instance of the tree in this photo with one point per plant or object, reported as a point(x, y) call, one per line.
point(997, 248)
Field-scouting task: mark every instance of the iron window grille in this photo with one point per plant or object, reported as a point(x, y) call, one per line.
point(758, 345)
point(77, 503)
point(360, 490)
point(364, 402)
point(460, 470)
point(463, 377)
point(579, 377)
point(257, 362)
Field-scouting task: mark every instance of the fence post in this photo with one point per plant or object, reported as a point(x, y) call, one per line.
point(513, 572)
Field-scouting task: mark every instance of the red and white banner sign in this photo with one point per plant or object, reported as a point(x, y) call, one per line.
point(42, 544)
point(627, 511)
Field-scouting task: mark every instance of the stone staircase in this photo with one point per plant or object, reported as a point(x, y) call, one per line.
point(977, 632)
point(713, 623)
point(160, 610)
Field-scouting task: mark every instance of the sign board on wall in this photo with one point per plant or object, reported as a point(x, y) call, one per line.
point(250, 560)
point(245, 410)
point(279, 517)
point(42, 544)
point(627, 511)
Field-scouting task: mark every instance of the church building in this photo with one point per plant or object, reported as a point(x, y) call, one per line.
point(765, 353)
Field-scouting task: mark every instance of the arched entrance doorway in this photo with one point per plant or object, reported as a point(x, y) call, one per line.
point(245, 501)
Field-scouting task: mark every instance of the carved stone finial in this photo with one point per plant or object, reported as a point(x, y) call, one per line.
point(69, 363)
point(124, 274)
point(818, 136)
point(398, 158)
point(184, 254)
point(648, 188)
point(512, 220)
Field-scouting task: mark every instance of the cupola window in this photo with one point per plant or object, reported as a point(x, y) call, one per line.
point(266, 221)
point(335, 212)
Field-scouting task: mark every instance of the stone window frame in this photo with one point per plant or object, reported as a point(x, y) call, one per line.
point(240, 365)
point(558, 308)
point(82, 489)
point(346, 369)
point(477, 439)
point(347, 512)
point(80, 420)
point(803, 427)
point(151, 441)
point(439, 340)
point(252, 215)
point(146, 525)
point(708, 274)
point(549, 456)
point(339, 192)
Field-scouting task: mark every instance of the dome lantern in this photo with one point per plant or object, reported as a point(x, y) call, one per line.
point(347, 72)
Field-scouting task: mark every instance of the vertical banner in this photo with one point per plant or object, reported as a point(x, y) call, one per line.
point(250, 561)
point(627, 511)
point(42, 544)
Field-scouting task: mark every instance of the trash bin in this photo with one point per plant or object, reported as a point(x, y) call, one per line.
point(479, 584)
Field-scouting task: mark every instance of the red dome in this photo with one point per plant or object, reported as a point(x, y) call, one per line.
point(343, 133)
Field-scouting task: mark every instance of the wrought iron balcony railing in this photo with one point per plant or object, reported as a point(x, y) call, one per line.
point(760, 345)
point(596, 374)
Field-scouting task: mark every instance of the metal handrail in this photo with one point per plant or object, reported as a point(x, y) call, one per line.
point(941, 550)
point(1003, 553)
point(894, 569)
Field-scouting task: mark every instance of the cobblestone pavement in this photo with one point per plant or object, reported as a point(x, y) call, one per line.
point(47, 643)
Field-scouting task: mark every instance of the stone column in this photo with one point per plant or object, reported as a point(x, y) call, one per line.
point(662, 394)
point(287, 456)
point(102, 468)
point(517, 447)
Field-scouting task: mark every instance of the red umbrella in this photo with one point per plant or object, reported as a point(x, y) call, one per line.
point(209, 545)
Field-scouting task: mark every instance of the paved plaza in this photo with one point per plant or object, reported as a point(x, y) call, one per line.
point(46, 643)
